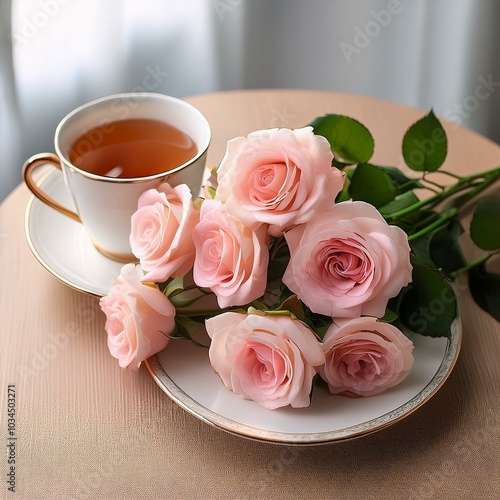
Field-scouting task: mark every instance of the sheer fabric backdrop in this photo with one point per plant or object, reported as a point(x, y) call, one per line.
point(58, 54)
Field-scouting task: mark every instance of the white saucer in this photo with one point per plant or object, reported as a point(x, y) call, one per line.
point(61, 244)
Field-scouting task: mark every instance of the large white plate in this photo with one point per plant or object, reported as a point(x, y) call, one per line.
point(61, 244)
point(184, 372)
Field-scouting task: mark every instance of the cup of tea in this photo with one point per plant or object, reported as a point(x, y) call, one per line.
point(113, 149)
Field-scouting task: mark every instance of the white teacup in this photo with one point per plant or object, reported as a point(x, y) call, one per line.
point(105, 204)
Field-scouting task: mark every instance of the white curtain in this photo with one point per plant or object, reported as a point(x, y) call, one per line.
point(58, 54)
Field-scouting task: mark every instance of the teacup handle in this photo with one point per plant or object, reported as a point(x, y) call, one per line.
point(29, 166)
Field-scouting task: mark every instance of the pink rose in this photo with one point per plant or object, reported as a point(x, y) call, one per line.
point(365, 357)
point(139, 318)
point(231, 259)
point(347, 261)
point(161, 232)
point(268, 359)
point(280, 177)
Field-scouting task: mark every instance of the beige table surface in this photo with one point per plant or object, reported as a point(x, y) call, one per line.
point(88, 429)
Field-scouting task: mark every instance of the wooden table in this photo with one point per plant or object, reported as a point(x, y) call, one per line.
point(87, 429)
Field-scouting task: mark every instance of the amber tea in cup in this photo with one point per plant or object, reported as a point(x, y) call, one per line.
point(134, 147)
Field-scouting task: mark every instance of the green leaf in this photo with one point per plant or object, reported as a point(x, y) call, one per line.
point(183, 327)
point(175, 285)
point(425, 144)
point(401, 202)
point(211, 191)
point(293, 305)
point(485, 288)
point(444, 248)
point(404, 182)
point(350, 140)
point(485, 224)
point(429, 305)
point(394, 304)
point(371, 184)
point(184, 298)
point(340, 164)
point(389, 317)
point(421, 252)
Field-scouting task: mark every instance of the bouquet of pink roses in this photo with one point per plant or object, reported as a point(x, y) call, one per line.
point(318, 262)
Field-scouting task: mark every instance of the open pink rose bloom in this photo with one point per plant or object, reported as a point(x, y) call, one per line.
point(161, 236)
point(269, 359)
point(279, 177)
point(138, 318)
point(231, 259)
point(365, 357)
point(347, 261)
